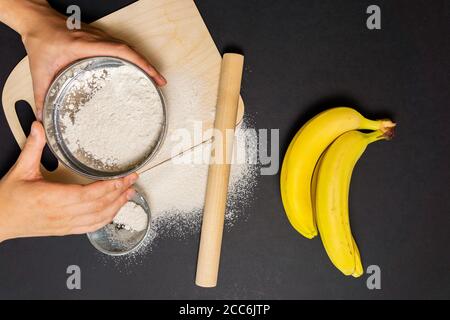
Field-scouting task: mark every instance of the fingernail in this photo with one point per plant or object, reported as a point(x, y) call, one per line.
point(162, 79)
point(133, 178)
point(33, 131)
point(130, 194)
point(119, 184)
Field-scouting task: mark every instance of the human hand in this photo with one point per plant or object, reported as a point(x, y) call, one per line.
point(51, 46)
point(31, 206)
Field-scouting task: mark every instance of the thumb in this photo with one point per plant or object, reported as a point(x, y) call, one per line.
point(28, 163)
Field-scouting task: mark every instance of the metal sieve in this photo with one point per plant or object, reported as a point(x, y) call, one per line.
point(116, 241)
point(64, 98)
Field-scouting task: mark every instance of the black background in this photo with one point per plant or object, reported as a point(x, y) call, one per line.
point(301, 57)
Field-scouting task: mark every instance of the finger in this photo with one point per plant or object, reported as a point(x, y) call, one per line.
point(133, 56)
point(97, 205)
point(99, 189)
point(78, 199)
point(87, 229)
point(94, 221)
point(28, 163)
point(123, 51)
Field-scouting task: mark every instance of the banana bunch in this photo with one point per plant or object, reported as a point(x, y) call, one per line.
point(315, 179)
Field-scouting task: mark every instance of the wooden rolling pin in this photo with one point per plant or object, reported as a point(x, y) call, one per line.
point(219, 170)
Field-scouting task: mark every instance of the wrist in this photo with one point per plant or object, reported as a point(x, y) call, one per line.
point(4, 211)
point(4, 235)
point(2, 238)
point(24, 16)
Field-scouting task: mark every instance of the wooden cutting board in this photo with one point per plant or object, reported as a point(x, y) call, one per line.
point(172, 35)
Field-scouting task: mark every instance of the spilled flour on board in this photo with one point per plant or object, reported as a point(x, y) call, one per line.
point(175, 190)
point(121, 101)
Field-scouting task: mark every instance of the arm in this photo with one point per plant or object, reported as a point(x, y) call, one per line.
point(29, 205)
point(19, 15)
point(51, 46)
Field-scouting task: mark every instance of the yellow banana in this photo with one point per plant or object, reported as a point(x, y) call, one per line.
point(302, 155)
point(358, 264)
point(332, 181)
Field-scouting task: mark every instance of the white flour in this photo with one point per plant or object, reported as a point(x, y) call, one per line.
point(175, 190)
point(132, 217)
point(120, 123)
point(180, 185)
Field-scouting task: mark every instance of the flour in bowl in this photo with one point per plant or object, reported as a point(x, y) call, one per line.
point(121, 121)
point(131, 217)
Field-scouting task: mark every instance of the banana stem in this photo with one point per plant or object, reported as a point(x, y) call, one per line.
point(384, 125)
point(387, 126)
point(385, 134)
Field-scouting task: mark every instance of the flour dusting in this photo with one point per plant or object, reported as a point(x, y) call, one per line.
point(175, 190)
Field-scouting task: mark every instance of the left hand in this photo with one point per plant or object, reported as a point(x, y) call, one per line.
point(31, 206)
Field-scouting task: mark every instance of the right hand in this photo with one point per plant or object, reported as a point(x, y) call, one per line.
point(31, 206)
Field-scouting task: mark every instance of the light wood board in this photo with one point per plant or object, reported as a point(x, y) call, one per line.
point(171, 34)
